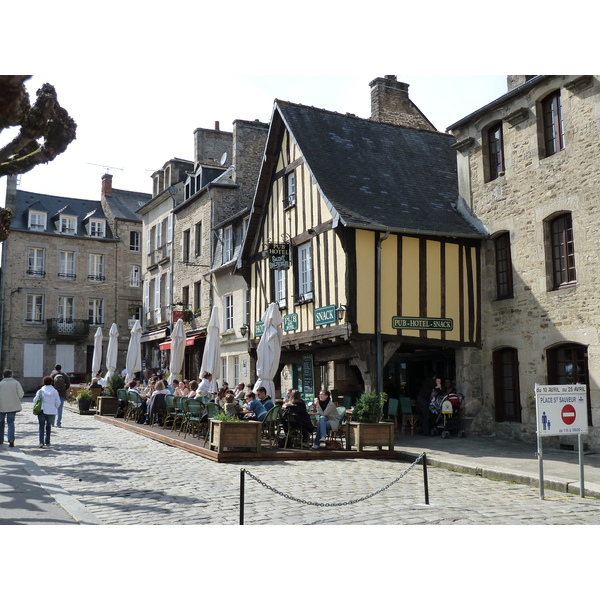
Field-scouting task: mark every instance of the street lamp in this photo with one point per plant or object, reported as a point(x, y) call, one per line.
point(244, 329)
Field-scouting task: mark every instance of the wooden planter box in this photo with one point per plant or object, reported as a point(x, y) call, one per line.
point(107, 405)
point(372, 434)
point(228, 434)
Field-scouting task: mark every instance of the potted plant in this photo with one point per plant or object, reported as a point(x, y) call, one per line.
point(84, 400)
point(366, 428)
point(108, 402)
point(115, 382)
point(228, 431)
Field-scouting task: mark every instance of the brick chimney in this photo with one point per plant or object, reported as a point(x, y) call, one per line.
point(107, 184)
point(390, 104)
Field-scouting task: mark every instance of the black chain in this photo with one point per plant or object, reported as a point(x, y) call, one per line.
point(347, 502)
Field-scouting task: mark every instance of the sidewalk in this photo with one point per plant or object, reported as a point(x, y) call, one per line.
point(507, 460)
point(29, 496)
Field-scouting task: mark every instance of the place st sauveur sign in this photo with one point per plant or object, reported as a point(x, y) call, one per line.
point(438, 323)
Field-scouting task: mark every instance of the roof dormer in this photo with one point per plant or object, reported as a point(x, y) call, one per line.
point(65, 221)
point(95, 224)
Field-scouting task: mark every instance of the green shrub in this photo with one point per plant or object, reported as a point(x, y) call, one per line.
point(369, 407)
point(115, 382)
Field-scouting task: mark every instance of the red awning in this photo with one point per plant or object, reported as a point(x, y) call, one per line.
point(190, 341)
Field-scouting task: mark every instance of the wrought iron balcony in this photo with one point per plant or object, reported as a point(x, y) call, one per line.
point(67, 328)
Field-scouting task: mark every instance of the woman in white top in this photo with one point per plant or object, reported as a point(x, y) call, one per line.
point(205, 387)
point(50, 404)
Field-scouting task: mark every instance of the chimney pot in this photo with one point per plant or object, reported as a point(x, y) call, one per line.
point(107, 184)
point(217, 125)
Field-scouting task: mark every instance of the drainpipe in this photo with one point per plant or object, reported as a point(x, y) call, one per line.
point(378, 339)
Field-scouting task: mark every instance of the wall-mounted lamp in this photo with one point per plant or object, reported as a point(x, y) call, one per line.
point(244, 329)
point(312, 231)
point(341, 311)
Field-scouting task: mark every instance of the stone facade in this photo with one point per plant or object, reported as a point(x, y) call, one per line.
point(551, 327)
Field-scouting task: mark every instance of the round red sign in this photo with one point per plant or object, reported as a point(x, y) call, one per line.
point(568, 414)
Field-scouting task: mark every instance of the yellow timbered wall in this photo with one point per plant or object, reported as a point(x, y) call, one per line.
point(279, 224)
point(420, 278)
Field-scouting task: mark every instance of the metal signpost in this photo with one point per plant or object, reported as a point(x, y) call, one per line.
point(561, 410)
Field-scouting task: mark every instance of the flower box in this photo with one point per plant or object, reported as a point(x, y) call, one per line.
point(372, 434)
point(229, 434)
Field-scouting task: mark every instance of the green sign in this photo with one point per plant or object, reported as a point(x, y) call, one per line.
point(259, 328)
point(308, 380)
point(325, 315)
point(438, 324)
point(290, 322)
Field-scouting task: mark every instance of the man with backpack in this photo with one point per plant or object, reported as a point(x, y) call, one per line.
point(62, 383)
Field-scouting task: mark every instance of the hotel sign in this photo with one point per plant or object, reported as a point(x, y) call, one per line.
point(259, 328)
point(436, 324)
point(279, 256)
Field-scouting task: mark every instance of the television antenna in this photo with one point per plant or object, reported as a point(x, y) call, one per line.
point(108, 168)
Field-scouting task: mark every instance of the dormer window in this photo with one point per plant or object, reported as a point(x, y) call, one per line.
point(37, 221)
point(97, 228)
point(67, 225)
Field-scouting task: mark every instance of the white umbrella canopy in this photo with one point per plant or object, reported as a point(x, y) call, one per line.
point(268, 350)
point(112, 351)
point(133, 360)
point(212, 348)
point(97, 356)
point(177, 350)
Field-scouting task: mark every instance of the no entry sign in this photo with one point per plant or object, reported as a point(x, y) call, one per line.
point(561, 409)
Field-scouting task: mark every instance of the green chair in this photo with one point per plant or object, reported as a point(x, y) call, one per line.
point(409, 418)
point(347, 402)
point(340, 430)
point(179, 411)
point(212, 410)
point(171, 412)
point(134, 408)
point(194, 409)
point(123, 403)
point(270, 426)
point(393, 406)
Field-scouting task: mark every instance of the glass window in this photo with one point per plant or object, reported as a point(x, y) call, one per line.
point(228, 301)
point(197, 295)
point(563, 251)
point(495, 151)
point(135, 276)
point(36, 262)
point(37, 221)
point(198, 239)
point(97, 228)
point(65, 309)
point(135, 241)
point(186, 246)
point(305, 283)
point(35, 308)
point(227, 244)
point(554, 138)
point(68, 225)
point(290, 190)
point(96, 311)
point(66, 267)
point(279, 276)
point(96, 267)
point(504, 284)
point(224, 368)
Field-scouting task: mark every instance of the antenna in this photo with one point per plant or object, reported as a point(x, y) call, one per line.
point(108, 169)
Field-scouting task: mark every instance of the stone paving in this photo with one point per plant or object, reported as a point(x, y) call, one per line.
point(123, 478)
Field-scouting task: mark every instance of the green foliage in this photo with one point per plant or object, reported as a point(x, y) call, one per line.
point(115, 382)
point(85, 395)
point(223, 416)
point(188, 316)
point(369, 407)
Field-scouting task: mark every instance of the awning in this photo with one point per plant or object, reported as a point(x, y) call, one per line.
point(152, 336)
point(190, 341)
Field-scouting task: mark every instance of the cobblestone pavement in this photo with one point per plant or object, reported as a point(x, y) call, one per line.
point(123, 478)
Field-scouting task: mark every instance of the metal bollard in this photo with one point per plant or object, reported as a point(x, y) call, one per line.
point(242, 481)
point(425, 482)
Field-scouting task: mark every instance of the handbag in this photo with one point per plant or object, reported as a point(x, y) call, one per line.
point(37, 406)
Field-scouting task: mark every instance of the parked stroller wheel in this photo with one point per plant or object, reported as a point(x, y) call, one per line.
point(445, 434)
point(461, 433)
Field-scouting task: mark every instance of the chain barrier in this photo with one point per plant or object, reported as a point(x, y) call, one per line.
point(330, 504)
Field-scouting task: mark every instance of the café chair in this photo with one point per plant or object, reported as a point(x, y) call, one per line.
point(122, 404)
point(293, 435)
point(347, 402)
point(341, 427)
point(171, 412)
point(212, 410)
point(409, 418)
point(134, 409)
point(194, 409)
point(179, 415)
point(393, 405)
point(270, 426)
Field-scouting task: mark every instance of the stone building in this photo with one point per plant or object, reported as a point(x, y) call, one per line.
point(67, 270)
point(528, 168)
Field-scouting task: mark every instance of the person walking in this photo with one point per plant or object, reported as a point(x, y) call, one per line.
point(11, 393)
point(50, 404)
point(61, 383)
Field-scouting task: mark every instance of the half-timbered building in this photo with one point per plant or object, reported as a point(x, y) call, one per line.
point(357, 233)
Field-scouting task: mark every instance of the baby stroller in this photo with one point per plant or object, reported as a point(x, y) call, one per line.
point(447, 416)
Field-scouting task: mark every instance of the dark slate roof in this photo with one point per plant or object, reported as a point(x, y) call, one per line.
point(53, 206)
point(124, 204)
point(380, 176)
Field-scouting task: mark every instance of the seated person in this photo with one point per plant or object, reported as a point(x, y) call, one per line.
point(193, 389)
point(261, 392)
point(255, 408)
point(295, 406)
point(328, 417)
point(157, 404)
point(238, 392)
point(95, 385)
point(232, 407)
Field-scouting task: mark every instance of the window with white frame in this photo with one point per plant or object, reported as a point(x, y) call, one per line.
point(68, 225)
point(224, 368)
point(37, 220)
point(305, 281)
point(279, 276)
point(96, 267)
point(227, 244)
point(169, 235)
point(96, 311)
point(157, 298)
point(135, 241)
point(228, 311)
point(36, 258)
point(290, 190)
point(147, 295)
point(66, 266)
point(65, 309)
point(135, 276)
point(97, 228)
point(236, 369)
point(34, 312)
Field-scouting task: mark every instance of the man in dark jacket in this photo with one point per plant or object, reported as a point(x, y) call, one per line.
point(62, 383)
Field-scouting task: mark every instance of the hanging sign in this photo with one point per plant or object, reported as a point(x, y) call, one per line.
point(439, 324)
point(325, 315)
point(279, 256)
point(259, 328)
point(290, 322)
